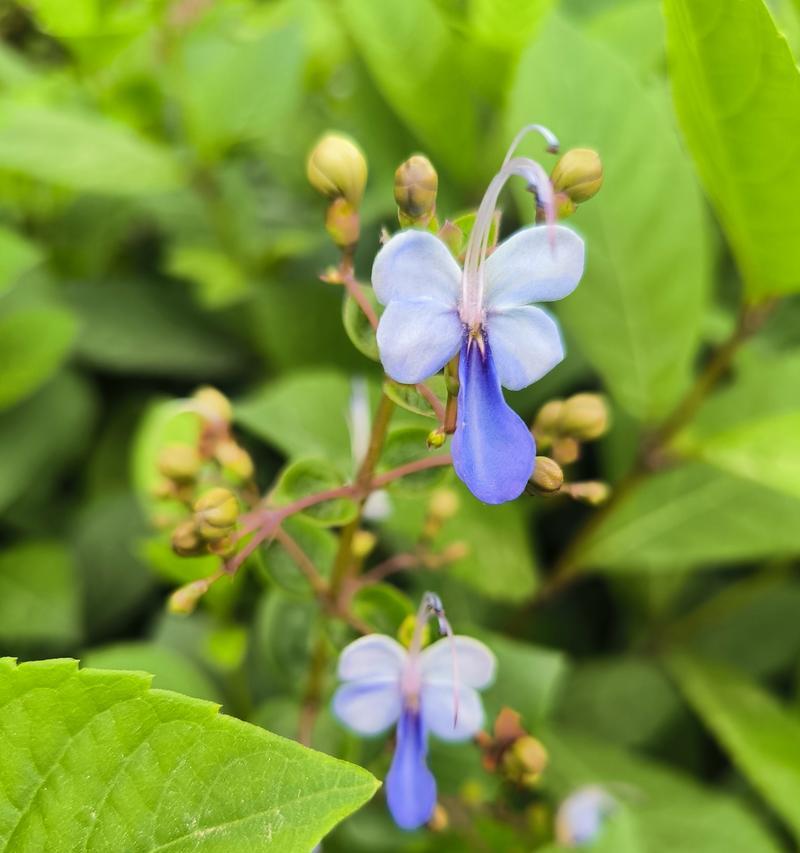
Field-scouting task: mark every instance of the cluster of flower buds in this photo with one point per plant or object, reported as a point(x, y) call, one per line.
point(415, 186)
point(210, 477)
point(337, 168)
point(576, 177)
point(511, 750)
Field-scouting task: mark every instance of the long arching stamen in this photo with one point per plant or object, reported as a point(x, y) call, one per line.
point(549, 137)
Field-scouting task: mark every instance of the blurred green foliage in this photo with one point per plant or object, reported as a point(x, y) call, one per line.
point(157, 233)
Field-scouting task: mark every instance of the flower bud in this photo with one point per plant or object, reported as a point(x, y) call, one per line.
point(591, 492)
point(179, 462)
point(364, 544)
point(342, 223)
point(547, 476)
point(236, 462)
point(415, 187)
point(546, 426)
point(525, 761)
point(184, 600)
point(336, 167)
point(186, 541)
point(213, 405)
point(215, 513)
point(579, 174)
point(585, 417)
point(436, 438)
point(566, 450)
point(444, 503)
point(439, 819)
point(224, 547)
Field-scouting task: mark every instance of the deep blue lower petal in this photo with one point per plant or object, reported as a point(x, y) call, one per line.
point(410, 786)
point(493, 449)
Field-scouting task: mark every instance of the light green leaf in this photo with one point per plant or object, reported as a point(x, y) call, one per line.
point(17, 255)
point(637, 313)
point(219, 280)
point(737, 94)
point(693, 516)
point(33, 344)
point(357, 326)
point(81, 152)
point(670, 810)
point(408, 398)
point(506, 24)
point(38, 594)
point(318, 544)
point(762, 736)
point(98, 761)
point(136, 327)
point(171, 670)
point(307, 477)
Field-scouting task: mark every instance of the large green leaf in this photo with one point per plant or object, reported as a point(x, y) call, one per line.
point(16, 256)
point(81, 151)
point(33, 344)
point(668, 810)
point(38, 595)
point(737, 93)
point(637, 313)
point(762, 737)
point(693, 516)
point(98, 761)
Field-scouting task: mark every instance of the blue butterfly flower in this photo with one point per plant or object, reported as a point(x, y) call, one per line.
point(435, 310)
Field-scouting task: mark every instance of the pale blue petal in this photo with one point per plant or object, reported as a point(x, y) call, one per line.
point(415, 265)
point(375, 656)
point(416, 339)
point(493, 450)
point(439, 711)
point(475, 663)
point(580, 817)
point(526, 344)
point(368, 707)
point(410, 786)
point(534, 265)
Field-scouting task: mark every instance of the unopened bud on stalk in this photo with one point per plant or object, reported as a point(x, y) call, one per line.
point(236, 462)
point(213, 404)
point(455, 551)
point(364, 544)
point(525, 761)
point(184, 600)
point(566, 450)
point(592, 492)
point(436, 438)
point(585, 417)
point(415, 187)
point(216, 513)
point(225, 547)
point(439, 819)
point(546, 425)
point(342, 223)
point(579, 174)
point(547, 476)
point(337, 167)
point(179, 462)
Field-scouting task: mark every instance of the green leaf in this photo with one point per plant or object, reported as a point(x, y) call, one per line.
point(170, 669)
point(670, 810)
point(219, 280)
point(33, 344)
point(383, 606)
point(38, 595)
point(102, 762)
point(136, 327)
point(499, 562)
point(318, 544)
point(419, 66)
point(303, 413)
point(506, 24)
point(762, 736)
point(357, 326)
point(693, 516)
point(81, 152)
point(737, 94)
point(637, 313)
point(17, 255)
point(31, 455)
point(409, 444)
point(408, 398)
point(307, 477)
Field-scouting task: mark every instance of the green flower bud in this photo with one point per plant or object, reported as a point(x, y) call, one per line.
point(436, 438)
point(184, 600)
point(415, 187)
point(585, 417)
point(525, 761)
point(440, 820)
point(546, 426)
point(186, 541)
point(213, 405)
point(579, 174)
point(547, 476)
point(566, 450)
point(236, 462)
point(592, 492)
point(337, 167)
point(342, 223)
point(364, 544)
point(224, 547)
point(179, 462)
point(216, 513)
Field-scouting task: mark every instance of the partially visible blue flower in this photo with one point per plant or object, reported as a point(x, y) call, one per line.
point(434, 310)
point(422, 692)
point(581, 816)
